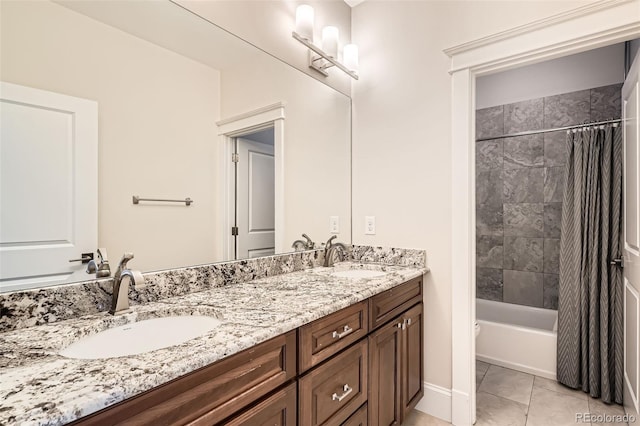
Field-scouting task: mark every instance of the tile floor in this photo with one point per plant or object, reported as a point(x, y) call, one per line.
point(507, 397)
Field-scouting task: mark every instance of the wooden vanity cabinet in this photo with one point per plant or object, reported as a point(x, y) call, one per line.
point(389, 304)
point(396, 368)
point(359, 418)
point(329, 394)
point(359, 366)
point(210, 394)
point(329, 335)
point(280, 409)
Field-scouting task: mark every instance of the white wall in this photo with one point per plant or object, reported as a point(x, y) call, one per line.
point(152, 104)
point(268, 25)
point(594, 68)
point(402, 132)
point(317, 136)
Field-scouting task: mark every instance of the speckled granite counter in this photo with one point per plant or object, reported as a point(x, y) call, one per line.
point(39, 387)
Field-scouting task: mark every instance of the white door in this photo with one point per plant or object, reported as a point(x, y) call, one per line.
point(255, 207)
point(48, 186)
point(631, 236)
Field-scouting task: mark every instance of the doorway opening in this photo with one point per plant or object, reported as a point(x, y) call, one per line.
point(253, 209)
point(550, 38)
point(260, 135)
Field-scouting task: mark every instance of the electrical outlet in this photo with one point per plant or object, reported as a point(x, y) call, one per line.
point(370, 225)
point(334, 225)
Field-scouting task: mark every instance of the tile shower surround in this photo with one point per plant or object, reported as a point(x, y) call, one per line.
point(519, 189)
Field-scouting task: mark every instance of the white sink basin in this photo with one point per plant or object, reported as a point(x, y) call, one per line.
point(358, 273)
point(140, 337)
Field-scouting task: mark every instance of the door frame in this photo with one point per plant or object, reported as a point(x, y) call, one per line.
point(588, 27)
point(228, 129)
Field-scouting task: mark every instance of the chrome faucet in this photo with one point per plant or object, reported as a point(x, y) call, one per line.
point(306, 245)
point(101, 268)
point(332, 249)
point(121, 279)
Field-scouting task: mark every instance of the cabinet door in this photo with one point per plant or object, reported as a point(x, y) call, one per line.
point(325, 337)
point(334, 390)
point(359, 418)
point(385, 351)
point(279, 409)
point(412, 359)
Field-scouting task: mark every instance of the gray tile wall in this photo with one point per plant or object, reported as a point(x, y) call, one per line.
point(519, 190)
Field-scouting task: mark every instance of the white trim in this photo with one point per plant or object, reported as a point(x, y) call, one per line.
point(585, 28)
point(533, 26)
point(251, 119)
point(436, 402)
point(630, 289)
point(269, 116)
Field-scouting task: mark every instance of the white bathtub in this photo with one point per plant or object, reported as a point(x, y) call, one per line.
point(518, 337)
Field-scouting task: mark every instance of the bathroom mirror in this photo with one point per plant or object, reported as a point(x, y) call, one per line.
point(171, 98)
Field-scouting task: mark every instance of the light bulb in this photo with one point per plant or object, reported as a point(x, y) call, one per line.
point(350, 56)
point(304, 21)
point(330, 41)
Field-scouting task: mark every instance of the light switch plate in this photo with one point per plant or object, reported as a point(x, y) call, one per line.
point(334, 225)
point(370, 225)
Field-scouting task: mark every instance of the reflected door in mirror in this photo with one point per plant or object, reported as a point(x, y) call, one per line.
point(255, 207)
point(48, 185)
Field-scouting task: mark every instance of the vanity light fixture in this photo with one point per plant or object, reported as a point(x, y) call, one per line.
point(320, 59)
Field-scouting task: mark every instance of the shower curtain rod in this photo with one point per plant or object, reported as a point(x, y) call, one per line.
point(535, 132)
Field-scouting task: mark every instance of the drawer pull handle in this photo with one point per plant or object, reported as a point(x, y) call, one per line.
point(347, 390)
point(346, 330)
point(407, 321)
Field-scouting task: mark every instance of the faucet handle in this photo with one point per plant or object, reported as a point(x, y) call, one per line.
point(310, 244)
point(102, 254)
point(123, 262)
point(330, 241)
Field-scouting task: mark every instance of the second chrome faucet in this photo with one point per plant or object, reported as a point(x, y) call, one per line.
point(121, 280)
point(333, 250)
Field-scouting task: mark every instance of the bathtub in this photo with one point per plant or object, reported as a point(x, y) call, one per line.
point(518, 337)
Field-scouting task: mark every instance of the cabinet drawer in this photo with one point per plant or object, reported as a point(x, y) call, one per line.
point(212, 393)
point(331, 392)
point(279, 409)
point(384, 306)
point(329, 335)
point(359, 418)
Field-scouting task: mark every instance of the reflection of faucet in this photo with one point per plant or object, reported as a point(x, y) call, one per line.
point(331, 249)
point(120, 301)
point(101, 269)
point(304, 245)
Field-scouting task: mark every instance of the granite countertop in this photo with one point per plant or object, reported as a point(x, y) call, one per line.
point(40, 387)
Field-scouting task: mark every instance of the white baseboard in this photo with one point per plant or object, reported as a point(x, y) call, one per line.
point(436, 402)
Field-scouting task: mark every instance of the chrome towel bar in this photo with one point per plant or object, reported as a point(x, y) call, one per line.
point(137, 199)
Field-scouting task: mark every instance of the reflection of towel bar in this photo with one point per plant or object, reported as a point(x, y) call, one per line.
point(187, 201)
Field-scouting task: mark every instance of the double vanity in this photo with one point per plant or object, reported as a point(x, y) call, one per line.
point(321, 345)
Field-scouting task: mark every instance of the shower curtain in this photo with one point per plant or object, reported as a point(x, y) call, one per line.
point(590, 304)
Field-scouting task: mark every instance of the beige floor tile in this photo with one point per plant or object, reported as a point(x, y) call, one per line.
point(493, 410)
point(418, 418)
point(613, 413)
point(481, 370)
point(506, 383)
point(553, 385)
point(482, 367)
point(549, 408)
